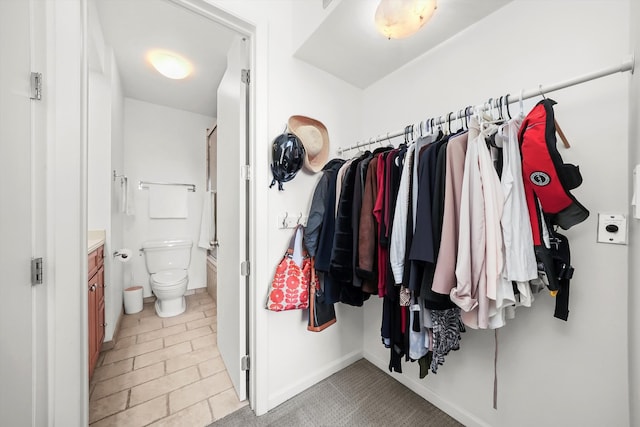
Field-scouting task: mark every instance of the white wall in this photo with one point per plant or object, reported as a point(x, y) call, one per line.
point(119, 280)
point(164, 145)
point(99, 166)
point(105, 155)
point(100, 184)
point(549, 372)
point(307, 17)
point(634, 227)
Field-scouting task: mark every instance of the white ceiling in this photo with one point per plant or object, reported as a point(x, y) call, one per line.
point(133, 27)
point(346, 45)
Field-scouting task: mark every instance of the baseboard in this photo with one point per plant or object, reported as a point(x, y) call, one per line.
point(317, 376)
point(444, 405)
point(108, 345)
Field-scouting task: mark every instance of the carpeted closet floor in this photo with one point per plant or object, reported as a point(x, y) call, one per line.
point(359, 395)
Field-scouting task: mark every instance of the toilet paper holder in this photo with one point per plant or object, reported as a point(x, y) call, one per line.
point(123, 254)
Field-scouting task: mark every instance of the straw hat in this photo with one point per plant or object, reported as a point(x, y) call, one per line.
point(315, 139)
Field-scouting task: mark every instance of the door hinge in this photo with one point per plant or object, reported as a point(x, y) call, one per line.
point(244, 363)
point(245, 268)
point(245, 171)
point(36, 271)
point(245, 76)
point(36, 86)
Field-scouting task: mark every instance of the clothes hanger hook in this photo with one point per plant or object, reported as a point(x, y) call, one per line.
point(506, 101)
point(521, 102)
point(541, 92)
point(466, 116)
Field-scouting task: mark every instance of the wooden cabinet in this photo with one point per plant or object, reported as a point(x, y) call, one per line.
point(95, 290)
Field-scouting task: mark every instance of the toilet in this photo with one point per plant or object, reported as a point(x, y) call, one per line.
point(168, 262)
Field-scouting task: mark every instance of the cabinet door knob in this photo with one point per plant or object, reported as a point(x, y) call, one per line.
point(92, 288)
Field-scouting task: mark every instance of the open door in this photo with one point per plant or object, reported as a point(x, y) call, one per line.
point(233, 214)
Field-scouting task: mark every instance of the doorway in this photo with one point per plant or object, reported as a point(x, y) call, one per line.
point(233, 326)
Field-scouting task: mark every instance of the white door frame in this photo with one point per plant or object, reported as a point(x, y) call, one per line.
point(65, 98)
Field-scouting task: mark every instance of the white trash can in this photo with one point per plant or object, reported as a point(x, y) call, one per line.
point(133, 299)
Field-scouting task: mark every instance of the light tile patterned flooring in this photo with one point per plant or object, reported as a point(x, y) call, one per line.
point(163, 372)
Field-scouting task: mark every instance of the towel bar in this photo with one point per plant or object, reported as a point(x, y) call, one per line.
point(145, 184)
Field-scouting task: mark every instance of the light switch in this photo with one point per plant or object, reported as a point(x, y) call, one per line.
point(612, 228)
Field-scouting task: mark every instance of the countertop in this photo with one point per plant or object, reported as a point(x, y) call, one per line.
point(95, 239)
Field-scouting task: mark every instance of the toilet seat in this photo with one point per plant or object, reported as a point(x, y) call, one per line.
point(169, 277)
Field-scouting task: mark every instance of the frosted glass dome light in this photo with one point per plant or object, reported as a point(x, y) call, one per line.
point(169, 64)
point(396, 19)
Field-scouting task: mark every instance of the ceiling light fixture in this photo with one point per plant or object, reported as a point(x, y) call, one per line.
point(169, 64)
point(396, 19)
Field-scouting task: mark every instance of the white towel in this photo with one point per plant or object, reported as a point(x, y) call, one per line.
point(167, 201)
point(207, 223)
point(129, 199)
point(122, 200)
point(124, 195)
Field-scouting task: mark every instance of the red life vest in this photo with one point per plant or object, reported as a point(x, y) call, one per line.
point(547, 179)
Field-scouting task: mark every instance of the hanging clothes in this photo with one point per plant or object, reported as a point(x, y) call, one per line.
point(444, 276)
point(341, 267)
point(470, 262)
point(367, 242)
point(520, 258)
point(443, 231)
point(320, 229)
point(356, 209)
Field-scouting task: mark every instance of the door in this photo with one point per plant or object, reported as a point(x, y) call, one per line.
point(17, 400)
point(232, 209)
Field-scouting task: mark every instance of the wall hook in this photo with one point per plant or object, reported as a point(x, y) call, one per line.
point(299, 218)
point(284, 221)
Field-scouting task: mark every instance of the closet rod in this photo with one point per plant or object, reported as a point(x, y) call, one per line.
point(626, 65)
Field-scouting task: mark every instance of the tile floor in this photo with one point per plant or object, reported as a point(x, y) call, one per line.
point(163, 372)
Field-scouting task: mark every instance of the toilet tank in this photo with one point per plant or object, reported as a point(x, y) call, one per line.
point(167, 254)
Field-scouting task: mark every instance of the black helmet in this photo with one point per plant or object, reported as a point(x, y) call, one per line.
point(288, 157)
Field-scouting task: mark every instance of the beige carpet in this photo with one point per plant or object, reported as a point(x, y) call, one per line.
point(359, 395)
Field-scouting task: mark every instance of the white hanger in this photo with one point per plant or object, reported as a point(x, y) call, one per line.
point(521, 103)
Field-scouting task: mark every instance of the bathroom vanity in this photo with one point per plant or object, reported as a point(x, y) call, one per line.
point(95, 289)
